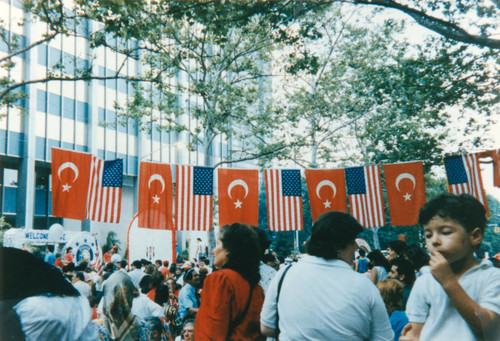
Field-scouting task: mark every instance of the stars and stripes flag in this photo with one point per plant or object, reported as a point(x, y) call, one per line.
point(194, 199)
point(105, 191)
point(365, 195)
point(284, 199)
point(464, 176)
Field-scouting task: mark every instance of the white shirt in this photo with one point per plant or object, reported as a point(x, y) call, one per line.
point(267, 274)
point(136, 276)
point(116, 258)
point(83, 288)
point(56, 318)
point(326, 300)
point(143, 307)
point(429, 303)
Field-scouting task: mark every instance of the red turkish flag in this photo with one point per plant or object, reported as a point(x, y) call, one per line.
point(238, 196)
point(405, 191)
point(495, 156)
point(70, 183)
point(326, 190)
point(155, 196)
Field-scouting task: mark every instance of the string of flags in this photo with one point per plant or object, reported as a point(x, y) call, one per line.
point(85, 187)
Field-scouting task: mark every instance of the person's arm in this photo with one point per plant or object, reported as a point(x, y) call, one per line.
point(374, 275)
point(411, 332)
point(356, 265)
point(478, 318)
point(266, 331)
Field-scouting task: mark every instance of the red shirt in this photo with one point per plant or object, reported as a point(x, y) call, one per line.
point(107, 257)
point(59, 263)
point(223, 299)
point(68, 257)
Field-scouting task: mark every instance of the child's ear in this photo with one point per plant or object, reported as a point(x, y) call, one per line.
point(476, 236)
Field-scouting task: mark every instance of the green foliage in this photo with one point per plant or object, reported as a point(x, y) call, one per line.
point(111, 240)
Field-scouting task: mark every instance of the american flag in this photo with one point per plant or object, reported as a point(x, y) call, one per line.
point(105, 191)
point(464, 176)
point(194, 200)
point(365, 195)
point(284, 199)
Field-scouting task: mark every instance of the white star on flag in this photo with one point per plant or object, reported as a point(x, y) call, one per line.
point(66, 188)
point(237, 204)
point(156, 199)
point(327, 204)
point(407, 196)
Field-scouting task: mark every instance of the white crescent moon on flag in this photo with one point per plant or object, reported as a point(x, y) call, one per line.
point(326, 183)
point(236, 183)
point(159, 178)
point(70, 165)
point(405, 176)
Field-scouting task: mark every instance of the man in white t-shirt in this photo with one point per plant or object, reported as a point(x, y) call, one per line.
point(115, 257)
point(80, 284)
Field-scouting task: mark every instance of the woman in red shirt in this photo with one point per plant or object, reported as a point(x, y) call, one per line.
point(68, 257)
point(231, 299)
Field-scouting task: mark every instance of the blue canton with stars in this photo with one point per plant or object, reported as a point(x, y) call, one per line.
point(290, 182)
point(355, 180)
point(455, 170)
point(112, 174)
point(203, 180)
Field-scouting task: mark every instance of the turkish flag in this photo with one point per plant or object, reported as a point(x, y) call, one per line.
point(495, 156)
point(70, 183)
point(155, 196)
point(405, 191)
point(326, 190)
point(238, 196)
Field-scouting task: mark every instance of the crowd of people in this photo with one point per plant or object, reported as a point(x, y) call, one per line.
point(337, 291)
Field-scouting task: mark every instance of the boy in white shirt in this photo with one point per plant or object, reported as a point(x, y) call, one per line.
point(459, 299)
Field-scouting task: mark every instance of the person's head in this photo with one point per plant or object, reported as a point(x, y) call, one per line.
point(158, 263)
point(402, 270)
point(82, 266)
point(395, 249)
point(157, 279)
point(162, 294)
point(150, 269)
point(79, 276)
point(145, 262)
point(377, 259)
point(121, 264)
point(114, 249)
point(192, 277)
point(417, 256)
point(391, 291)
point(58, 256)
point(206, 261)
point(238, 249)
point(166, 263)
point(145, 284)
point(188, 330)
point(263, 240)
point(156, 327)
point(453, 225)
point(171, 284)
point(362, 252)
point(172, 268)
point(69, 249)
point(333, 236)
point(50, 248)
point(110, 267)
point(269, 259)
point(118, 294)
point(136, 264)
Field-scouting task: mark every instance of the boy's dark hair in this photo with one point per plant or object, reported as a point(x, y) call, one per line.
point(58, 255)
point(123, 263)
point(50, 248)
point(405, 268)
point(332, 232)
point(158, 261)
point(398, 246)
point(137, 264)
point(362, 252)
point(377, 259)
point(463, 208)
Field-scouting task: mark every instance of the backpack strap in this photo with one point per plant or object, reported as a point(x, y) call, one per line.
point(277, 301)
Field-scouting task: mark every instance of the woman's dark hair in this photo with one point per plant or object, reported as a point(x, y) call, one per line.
point(417, 256)
point(162, 294)
point(377, 259)
point(463, 208)
point(243, 248)
point(332, 232)
point(157, 279)
point(145, 284)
